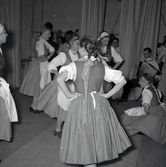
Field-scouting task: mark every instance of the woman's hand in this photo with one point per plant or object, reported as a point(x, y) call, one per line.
point(74, 95)
point(103, 94)
point(163, 105)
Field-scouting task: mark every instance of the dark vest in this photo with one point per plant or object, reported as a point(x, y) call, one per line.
point(155, 101)
point(68, 58)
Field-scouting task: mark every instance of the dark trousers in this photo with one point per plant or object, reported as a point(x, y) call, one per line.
point(133, 83)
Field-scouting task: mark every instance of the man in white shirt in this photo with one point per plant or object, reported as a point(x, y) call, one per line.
point(147, 66)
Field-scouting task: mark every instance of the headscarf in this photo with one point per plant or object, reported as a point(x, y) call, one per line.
point(103, 35)
point(1, 28)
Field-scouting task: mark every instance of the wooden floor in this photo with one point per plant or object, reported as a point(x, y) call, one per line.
point(34, 145)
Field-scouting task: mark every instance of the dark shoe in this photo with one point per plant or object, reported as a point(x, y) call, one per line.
point(36, 112)
point(58, 134)
point(31, 109)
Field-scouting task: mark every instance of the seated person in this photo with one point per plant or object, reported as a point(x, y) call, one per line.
point(149, 66)
point(150, 117)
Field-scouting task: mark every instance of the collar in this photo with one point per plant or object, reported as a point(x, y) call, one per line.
point(148, 59)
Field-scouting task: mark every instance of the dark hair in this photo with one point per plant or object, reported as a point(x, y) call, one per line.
point(62, 39)
point(148, 49)
point(49, 25)
point(68, 33)
point(148, 77)
point(88, 40)
point(77, 30)
point(70, 36)
point(112, 36)
point(117, 39)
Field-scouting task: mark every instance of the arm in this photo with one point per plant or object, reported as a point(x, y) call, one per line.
point(146, 107)
point(56, 62)
point(115, 76)
point(50, 55)
point(146, 100)
point(61, 83)
point(116, 65)
point(115, 89)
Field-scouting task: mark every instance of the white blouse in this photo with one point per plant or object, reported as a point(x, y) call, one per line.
point(146, 96)
point(40, 47)
point(60, 60)
point(111, 75)
point(117, 57)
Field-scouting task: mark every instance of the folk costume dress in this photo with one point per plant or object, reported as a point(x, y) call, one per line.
point(47, 99)
point(37, 74)
point(154, 124)
point(91, 133)
point(8, 112)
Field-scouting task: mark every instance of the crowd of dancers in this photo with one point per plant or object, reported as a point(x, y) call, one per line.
point(74, 83)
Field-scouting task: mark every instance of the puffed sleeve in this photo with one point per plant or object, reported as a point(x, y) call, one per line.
point(71, 70)
point(112, 75)
point(57, 61)
point(117, 57)
point(146, 96)
point(40, 48)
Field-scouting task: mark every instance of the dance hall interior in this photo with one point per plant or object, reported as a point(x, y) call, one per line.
point(82, 83)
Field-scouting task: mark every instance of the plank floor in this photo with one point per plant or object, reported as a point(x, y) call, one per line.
point(34, 145)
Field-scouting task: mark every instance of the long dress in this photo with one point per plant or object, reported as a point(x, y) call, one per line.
point(37, 75)
point(47, 99)
point(135, 120)
point(8, 112)
point(92, 132)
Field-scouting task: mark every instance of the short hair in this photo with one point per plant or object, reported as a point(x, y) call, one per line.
point(148, 77)
point(148, 49)
point(117, 39)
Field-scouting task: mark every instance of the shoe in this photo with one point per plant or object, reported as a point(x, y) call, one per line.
point(36, 112)
point(58, 134)
point(31, 109)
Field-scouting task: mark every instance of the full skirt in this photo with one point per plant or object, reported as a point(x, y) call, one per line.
point(5, 124)
point(31, 83)
point(93, 136)
point(47, 101)
point(152, 125)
